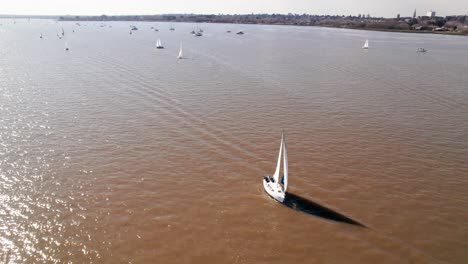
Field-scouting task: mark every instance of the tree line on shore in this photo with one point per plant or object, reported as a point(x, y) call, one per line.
point(453, 24)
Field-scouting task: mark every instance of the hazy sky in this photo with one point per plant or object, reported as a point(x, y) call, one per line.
point(385, 8)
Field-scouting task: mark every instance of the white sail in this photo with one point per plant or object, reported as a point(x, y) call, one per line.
point(180, 52)
point(285, 166)
point(366, 44)
point(278, 165)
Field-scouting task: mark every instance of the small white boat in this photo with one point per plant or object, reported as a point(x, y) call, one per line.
point(421, 50)
point(273, 185)
point(366, 44)
point(180, 52)
point(159, 45)
point(66, 46)
point(41, 36)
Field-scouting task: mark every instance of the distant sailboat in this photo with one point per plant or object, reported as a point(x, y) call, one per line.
point(63, 32)
point(41, 36)
point(366, 44)
point(159, 45)
point(66, 46)
point(180, 52)
point(273, 185)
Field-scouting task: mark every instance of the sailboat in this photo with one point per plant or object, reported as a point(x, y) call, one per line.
point(63, 32)
point(273, 185)
point(159, 45)
point(180, 52)
point(66, 46)
point(41, 36)
point(366, 44)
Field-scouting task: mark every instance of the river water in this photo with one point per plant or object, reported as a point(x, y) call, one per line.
point(116, 152)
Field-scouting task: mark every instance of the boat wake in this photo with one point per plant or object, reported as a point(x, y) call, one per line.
point(304, 205)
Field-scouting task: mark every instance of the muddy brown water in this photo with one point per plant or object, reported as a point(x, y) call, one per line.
point(116, 152)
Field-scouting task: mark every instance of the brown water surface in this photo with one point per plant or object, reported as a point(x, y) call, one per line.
point(116, 152)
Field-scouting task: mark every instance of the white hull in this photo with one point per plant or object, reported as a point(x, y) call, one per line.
point(274, 190)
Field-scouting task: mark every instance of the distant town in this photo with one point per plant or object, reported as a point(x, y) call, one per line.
point(428, 22)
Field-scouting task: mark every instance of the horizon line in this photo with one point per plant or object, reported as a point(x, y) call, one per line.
point(203, 14)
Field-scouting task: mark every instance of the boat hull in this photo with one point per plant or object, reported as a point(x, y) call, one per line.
point(273, 190)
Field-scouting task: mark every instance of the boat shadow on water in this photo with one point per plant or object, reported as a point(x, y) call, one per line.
point(304, 205)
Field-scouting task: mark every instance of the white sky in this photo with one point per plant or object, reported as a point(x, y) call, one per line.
point(385, 8)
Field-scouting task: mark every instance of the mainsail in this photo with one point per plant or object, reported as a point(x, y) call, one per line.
point(180, 52)
point(285, 164)
point(278, 165)
point(366, 44)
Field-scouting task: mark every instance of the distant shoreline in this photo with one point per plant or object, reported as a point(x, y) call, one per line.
point(449, 25)
point(450, 33)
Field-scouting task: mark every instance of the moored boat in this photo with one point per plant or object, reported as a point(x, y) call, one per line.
point(159, 44)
